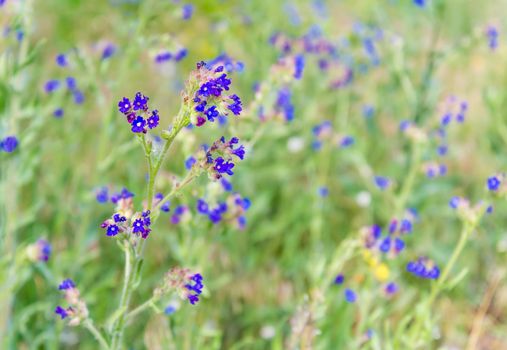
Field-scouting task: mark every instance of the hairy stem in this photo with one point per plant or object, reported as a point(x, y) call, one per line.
point(95, 332)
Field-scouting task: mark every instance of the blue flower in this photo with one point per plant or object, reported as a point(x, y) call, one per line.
point(124, 105)
point(339, 279)
point(299, 62)
point(51, 85)
point(138, 125)
point(223, 167)
point(423, 268)
point(102, 195)
point(153, 120)
point(61, 60)
point(350, 295)
point(60, 310)
point(140, 102)
point(66, 284)
point(108, 51)
point(112, 230)
point(163, 57)
point(195, 286)
point(71, 83)
point(494, 183)
point(187, 11)
point(202, 207)
point(9, 144)
point(382, 182)
point(420, 3)
point(58, 113)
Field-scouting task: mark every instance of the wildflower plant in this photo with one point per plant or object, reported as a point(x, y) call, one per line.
point(205, 97)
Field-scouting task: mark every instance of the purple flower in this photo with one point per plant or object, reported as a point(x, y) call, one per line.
point(494, 183)
point(187, 11)
point(61, 60)
point(153, 120)
point(423, 268)
point(61, 311)
point(138, 125)
point(66, 284)
point(202, 207)
point(124, 105)
point(181, 54)
point(350, 295)
point(299, 62)
point(112, 230)
point(102, 195)
point(78, 97)
point(71, 83)
point(108, 51)
point(140, 102)
point(9, 144)
point(190, 162)
point(58, 113)
point(51, 85)
point(163, 57)
point(382, 182)
point(339, 279)
point(223, 167)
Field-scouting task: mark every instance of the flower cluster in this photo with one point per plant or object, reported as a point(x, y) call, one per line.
point(181, 213)
point(219, 159)
point(433, 169)
point(138, 115)
point(349, 294)
point(39, 251)
point(466, 211)
point(231, 210)
point(165, 56)
point(186, 284)
point(229, 64)
point(138, 224)
point(323, 133)
point(454, 110)
point(77, 311)
point(392, 243)
point(423, 268)
point(492, 36)
point(70, 84)
point(207, 95)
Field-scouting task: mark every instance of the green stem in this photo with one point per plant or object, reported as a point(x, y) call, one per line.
point(438, 286)
point(402, 199)
point(133, 266)
point(124, 300)
point(141, 307)
point(95, 332)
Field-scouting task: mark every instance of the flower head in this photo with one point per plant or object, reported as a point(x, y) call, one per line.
point(423, 268)
point(9, 144)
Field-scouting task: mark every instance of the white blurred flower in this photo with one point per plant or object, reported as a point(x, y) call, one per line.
point(295, 144)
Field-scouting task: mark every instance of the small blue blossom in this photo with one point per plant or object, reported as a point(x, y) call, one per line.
point(66, 284)
point(299, 63)
point(60, 310)
point(138, 125)
point(492, 35)
point(61, 60)
point(391, 288)
point(108, 51)
point(350, 295)
point(494, 183)
point(423, 268)
point(58, 113)
point(9, 144)
point(78, 97)
point(71, 84)
point(195, 288)
point(169, 310)
point(382, 182)
point(51, 85)
point(323, 191)
point(187, 11)
point(102, 195)
point(339, 279)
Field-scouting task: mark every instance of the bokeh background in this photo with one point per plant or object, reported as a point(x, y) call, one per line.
point(270, 285)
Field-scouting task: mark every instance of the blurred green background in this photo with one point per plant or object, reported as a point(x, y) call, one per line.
point(269, 286)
